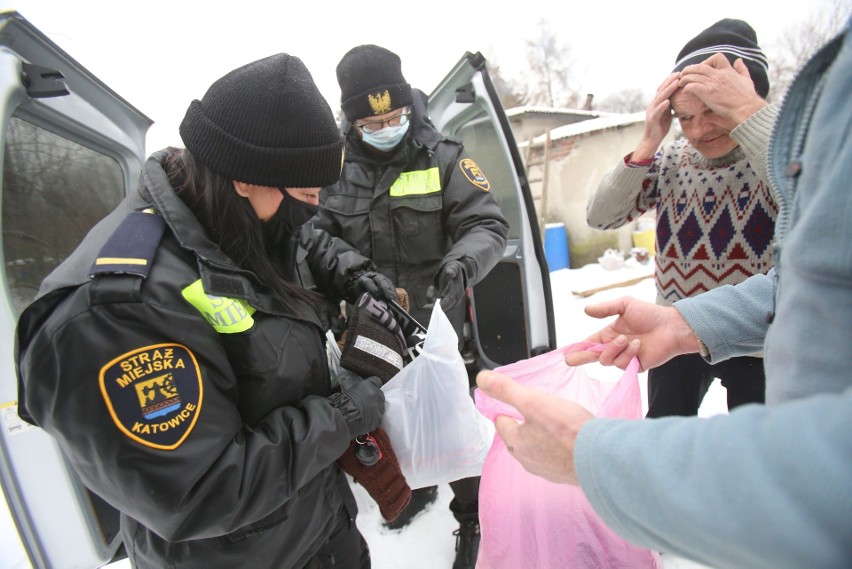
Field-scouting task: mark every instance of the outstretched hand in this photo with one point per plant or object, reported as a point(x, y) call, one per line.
point(725, 89)
point(544, 442)
point(653, 333)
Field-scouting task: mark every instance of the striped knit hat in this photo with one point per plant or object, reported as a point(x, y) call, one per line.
point(737, 40)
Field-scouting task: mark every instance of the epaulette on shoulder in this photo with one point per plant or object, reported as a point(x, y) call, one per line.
point(132, 246)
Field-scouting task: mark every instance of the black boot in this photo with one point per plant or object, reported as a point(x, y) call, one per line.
point(467, 545)
point(420, 498)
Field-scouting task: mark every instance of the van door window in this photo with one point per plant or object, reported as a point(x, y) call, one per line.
point(54, 190)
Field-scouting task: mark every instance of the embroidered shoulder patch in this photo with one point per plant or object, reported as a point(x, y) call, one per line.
point(473, 174)
point(154, 394)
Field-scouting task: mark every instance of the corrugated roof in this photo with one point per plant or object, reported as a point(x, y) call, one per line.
point(515, 111)
point(611, 120)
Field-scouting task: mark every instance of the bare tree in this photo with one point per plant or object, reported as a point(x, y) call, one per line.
point(511, 92)
point(630, 100)
point(550, 65)
point(802, 40)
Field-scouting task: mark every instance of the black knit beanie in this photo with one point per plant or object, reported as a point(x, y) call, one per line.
point(736, 40)
point(371, 82)
point(267, 124)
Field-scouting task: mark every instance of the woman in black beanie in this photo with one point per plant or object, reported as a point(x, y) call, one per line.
point(178, 356)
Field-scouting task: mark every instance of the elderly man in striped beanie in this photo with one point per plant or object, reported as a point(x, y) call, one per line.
point(715, 212)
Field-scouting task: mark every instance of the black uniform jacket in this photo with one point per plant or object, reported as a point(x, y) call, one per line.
point(416, 210)
point(183, 394)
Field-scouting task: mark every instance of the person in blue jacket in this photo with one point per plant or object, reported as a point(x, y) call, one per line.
point(765, 486)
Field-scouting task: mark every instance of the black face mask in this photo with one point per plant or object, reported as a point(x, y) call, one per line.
point(291, 215)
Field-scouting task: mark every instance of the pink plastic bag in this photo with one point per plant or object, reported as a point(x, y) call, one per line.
point(528, 522)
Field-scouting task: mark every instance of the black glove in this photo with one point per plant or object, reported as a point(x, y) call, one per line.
point(348, 379)
point(452, 282)
point(362, 405)
point(373, 283)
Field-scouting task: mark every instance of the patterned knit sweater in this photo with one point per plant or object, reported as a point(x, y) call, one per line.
point(715, 218)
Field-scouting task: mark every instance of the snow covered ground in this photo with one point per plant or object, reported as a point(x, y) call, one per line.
point(428, 543)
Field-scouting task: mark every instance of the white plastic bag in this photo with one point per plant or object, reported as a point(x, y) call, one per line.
point(332, 351)
point(436, 431)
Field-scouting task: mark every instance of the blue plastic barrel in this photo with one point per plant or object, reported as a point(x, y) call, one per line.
point(556, 246)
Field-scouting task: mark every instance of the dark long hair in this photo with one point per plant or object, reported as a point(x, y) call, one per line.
point(230, 222)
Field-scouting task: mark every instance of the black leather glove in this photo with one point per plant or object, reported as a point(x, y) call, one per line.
point(362, 405)
point(373, 283)
point(348, 379)
point(452, 283)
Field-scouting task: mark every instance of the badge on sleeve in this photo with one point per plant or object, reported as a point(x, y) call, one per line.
point(473, 174)
point(154, 394)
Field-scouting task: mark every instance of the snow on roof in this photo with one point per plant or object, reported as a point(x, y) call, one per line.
point(610, 120)
point(514, 111)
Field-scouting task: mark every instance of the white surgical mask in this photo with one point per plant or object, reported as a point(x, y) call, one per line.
point(387, 138)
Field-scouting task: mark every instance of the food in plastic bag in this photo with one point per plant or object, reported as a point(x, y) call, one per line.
point(527, 521)
point(430, 418)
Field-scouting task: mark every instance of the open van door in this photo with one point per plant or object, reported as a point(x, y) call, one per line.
point(71, 149)
point(511, 309)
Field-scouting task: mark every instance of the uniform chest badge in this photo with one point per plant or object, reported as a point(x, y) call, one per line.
point(154, 394)
point(473, 174)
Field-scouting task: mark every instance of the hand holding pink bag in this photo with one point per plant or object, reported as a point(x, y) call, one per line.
point(527, 521)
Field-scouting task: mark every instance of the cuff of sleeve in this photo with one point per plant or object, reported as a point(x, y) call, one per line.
point(344, 404)
point(754, 132)
point(350, 291)
point(691, 310)
point(583, 450)
point(702, 347)
point(630, 163)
